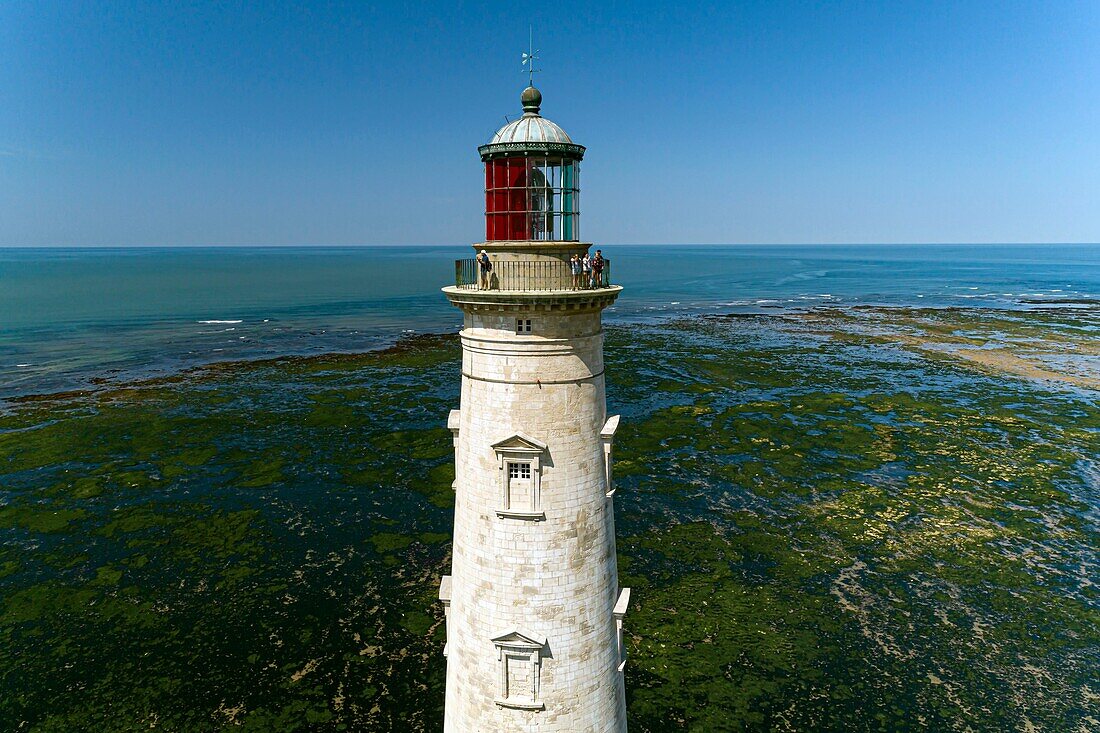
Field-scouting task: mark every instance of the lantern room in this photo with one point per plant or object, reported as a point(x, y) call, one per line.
point(532, 179)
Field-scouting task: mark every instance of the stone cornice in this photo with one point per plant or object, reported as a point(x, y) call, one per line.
point(532, 300)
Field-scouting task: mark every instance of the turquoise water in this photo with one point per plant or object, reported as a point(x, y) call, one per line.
point(70, 316)
point(833, 515)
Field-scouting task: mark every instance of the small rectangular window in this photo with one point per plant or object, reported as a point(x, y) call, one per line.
point(523, 325)
point(520, 496)
point(520, 677)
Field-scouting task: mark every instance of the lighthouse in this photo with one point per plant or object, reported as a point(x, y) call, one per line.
point(534, 611)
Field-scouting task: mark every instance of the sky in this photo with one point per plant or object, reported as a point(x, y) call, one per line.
point(271, 123)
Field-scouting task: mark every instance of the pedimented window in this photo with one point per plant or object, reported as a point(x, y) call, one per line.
point(519, 656)
point(519, 459)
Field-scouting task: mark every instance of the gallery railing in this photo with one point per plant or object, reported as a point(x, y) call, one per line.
point(529, 275)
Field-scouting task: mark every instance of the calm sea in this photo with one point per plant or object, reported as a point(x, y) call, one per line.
point(70, 316)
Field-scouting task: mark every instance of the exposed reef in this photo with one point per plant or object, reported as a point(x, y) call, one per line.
point(831, 521)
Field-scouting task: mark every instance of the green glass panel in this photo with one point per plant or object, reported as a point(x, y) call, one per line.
point(567, 201)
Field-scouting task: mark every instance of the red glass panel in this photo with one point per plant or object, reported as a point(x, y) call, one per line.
point(517, 199)
point(509, 200)
point(517, 172)
point(500, 173)
point(514, 227)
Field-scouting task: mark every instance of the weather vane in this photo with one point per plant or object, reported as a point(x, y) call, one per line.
point(530, 57)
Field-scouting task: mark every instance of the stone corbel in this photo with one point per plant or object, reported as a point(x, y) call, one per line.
point(453, 423)
point(445, 599)
point(619, 612)
point(607, 437)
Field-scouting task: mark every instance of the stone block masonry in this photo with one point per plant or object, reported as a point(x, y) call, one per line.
point(534, 610)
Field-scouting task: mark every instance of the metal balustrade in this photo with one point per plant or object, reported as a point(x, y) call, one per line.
point(529, 275)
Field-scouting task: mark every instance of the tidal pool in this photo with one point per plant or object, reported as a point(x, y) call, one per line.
point(826, 529)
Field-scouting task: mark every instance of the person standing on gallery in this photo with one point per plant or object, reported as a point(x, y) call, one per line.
point(485, 268)
point(597, 270)
point(586, 269)
point(575, 268)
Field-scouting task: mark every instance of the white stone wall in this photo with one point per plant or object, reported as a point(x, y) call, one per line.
point(552, 579)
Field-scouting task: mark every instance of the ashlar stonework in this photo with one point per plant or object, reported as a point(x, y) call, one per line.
point(534, 610)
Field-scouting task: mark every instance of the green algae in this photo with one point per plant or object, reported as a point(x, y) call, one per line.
point(39, 518)
point(901, 531)
point(417, 622)
point(203, 545)
point(389, 541)
point(438, 488)
point(265, 470)
point(823, 529)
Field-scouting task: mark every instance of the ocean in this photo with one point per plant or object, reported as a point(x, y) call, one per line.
point(857, 487)
point(71, 316)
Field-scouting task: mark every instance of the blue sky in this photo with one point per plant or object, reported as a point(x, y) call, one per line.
point(356, 123)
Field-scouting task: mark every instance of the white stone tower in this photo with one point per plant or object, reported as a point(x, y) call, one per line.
point(534, 609)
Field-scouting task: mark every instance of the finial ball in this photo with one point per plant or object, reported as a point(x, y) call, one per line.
point(531, 99)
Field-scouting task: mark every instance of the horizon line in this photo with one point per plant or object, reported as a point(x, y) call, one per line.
point(222, 245)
